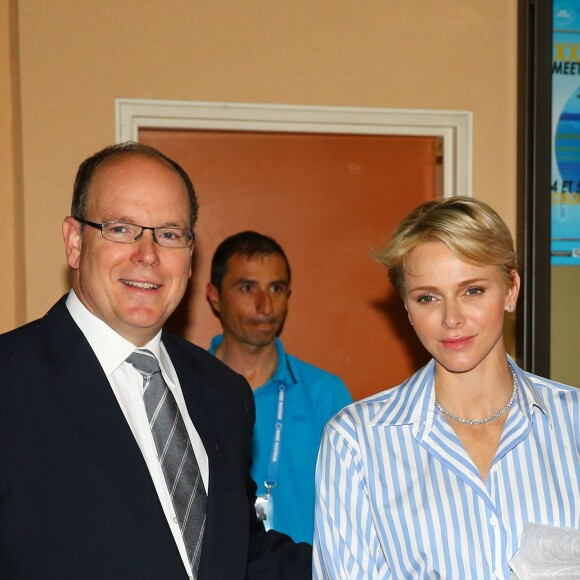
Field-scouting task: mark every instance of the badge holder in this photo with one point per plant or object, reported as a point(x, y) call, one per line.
point(265, 502)
point(265, 507)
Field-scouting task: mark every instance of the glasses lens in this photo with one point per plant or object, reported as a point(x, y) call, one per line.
point(120, 232)
point(125, 233)
point(173, 237)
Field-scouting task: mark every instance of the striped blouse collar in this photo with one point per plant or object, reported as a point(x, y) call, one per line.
point(415, 404)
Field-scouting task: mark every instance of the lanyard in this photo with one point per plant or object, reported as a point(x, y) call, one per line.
point(272, 473)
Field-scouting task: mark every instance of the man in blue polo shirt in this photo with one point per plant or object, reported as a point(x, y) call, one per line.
point(249, 291)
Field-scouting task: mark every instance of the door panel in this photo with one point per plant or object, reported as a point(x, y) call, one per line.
point(327, 199)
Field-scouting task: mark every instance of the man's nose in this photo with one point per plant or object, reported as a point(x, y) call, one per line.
point(145, 249)
point(264, 302)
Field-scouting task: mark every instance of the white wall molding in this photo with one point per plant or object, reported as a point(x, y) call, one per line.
point(455, 128)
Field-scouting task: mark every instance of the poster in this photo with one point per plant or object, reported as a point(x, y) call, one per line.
point(565, 186)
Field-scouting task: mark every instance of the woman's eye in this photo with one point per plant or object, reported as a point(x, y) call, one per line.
point(474, 291)
point(426, 298)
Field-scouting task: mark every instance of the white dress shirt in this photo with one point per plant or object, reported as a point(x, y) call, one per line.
point(111, 350)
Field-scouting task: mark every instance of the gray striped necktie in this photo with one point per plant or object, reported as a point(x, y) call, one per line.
point(180, 468)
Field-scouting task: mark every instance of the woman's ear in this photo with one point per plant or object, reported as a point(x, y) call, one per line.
point(408, 315)
point(512, 294)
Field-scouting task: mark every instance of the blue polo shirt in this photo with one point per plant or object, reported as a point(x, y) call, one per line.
point(312, 397)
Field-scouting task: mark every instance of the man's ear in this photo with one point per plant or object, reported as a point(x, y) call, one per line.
point(213, 297)
point(71, 233)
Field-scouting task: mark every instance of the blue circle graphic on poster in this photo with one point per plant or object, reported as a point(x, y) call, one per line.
point(567, 149)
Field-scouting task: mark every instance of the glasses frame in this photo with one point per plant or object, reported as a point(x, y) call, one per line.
point(100, 227)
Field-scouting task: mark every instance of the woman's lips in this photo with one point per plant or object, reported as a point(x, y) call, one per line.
point(457, 343)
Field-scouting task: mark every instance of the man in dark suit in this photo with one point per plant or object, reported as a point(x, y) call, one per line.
point(94, 482)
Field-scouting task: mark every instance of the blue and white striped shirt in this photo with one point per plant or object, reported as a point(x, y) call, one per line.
point(398, 496)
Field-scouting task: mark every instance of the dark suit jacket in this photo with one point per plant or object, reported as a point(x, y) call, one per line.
point(76, 498)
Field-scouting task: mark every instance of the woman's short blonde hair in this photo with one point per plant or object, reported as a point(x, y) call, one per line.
point(471, 229)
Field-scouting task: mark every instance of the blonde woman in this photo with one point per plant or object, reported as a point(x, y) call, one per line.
point(437, 477)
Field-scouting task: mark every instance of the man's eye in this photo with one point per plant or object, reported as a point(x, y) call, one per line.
point(117, 229)
point(246, 288)
point(278, 288)
point(170, 235)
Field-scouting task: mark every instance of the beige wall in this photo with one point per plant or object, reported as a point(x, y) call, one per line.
point(77, 57)
point(565, 321)
point(12, 290)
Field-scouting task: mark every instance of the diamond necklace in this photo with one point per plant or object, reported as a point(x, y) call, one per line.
point(488, 419)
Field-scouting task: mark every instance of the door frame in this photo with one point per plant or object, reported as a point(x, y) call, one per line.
point(454, 128)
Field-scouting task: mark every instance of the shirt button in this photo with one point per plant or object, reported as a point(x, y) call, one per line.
point(493, 521)
point(174, 518)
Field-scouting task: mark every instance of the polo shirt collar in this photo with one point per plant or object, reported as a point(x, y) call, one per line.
point(284, 369)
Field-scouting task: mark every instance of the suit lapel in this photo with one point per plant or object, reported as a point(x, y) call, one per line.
point(204, 403)
point(82, 390)
point(198, 397)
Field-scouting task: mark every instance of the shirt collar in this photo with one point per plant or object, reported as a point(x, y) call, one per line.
point(417, 401)
point(528, 396)
point(110, 348)
point(215, 342)
point(283, 373)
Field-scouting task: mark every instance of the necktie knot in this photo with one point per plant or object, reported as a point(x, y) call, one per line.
point(144, 361)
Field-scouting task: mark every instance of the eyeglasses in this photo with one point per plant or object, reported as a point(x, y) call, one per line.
point(126, 233)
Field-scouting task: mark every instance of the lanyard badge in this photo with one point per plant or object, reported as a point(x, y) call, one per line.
point(265, 502)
